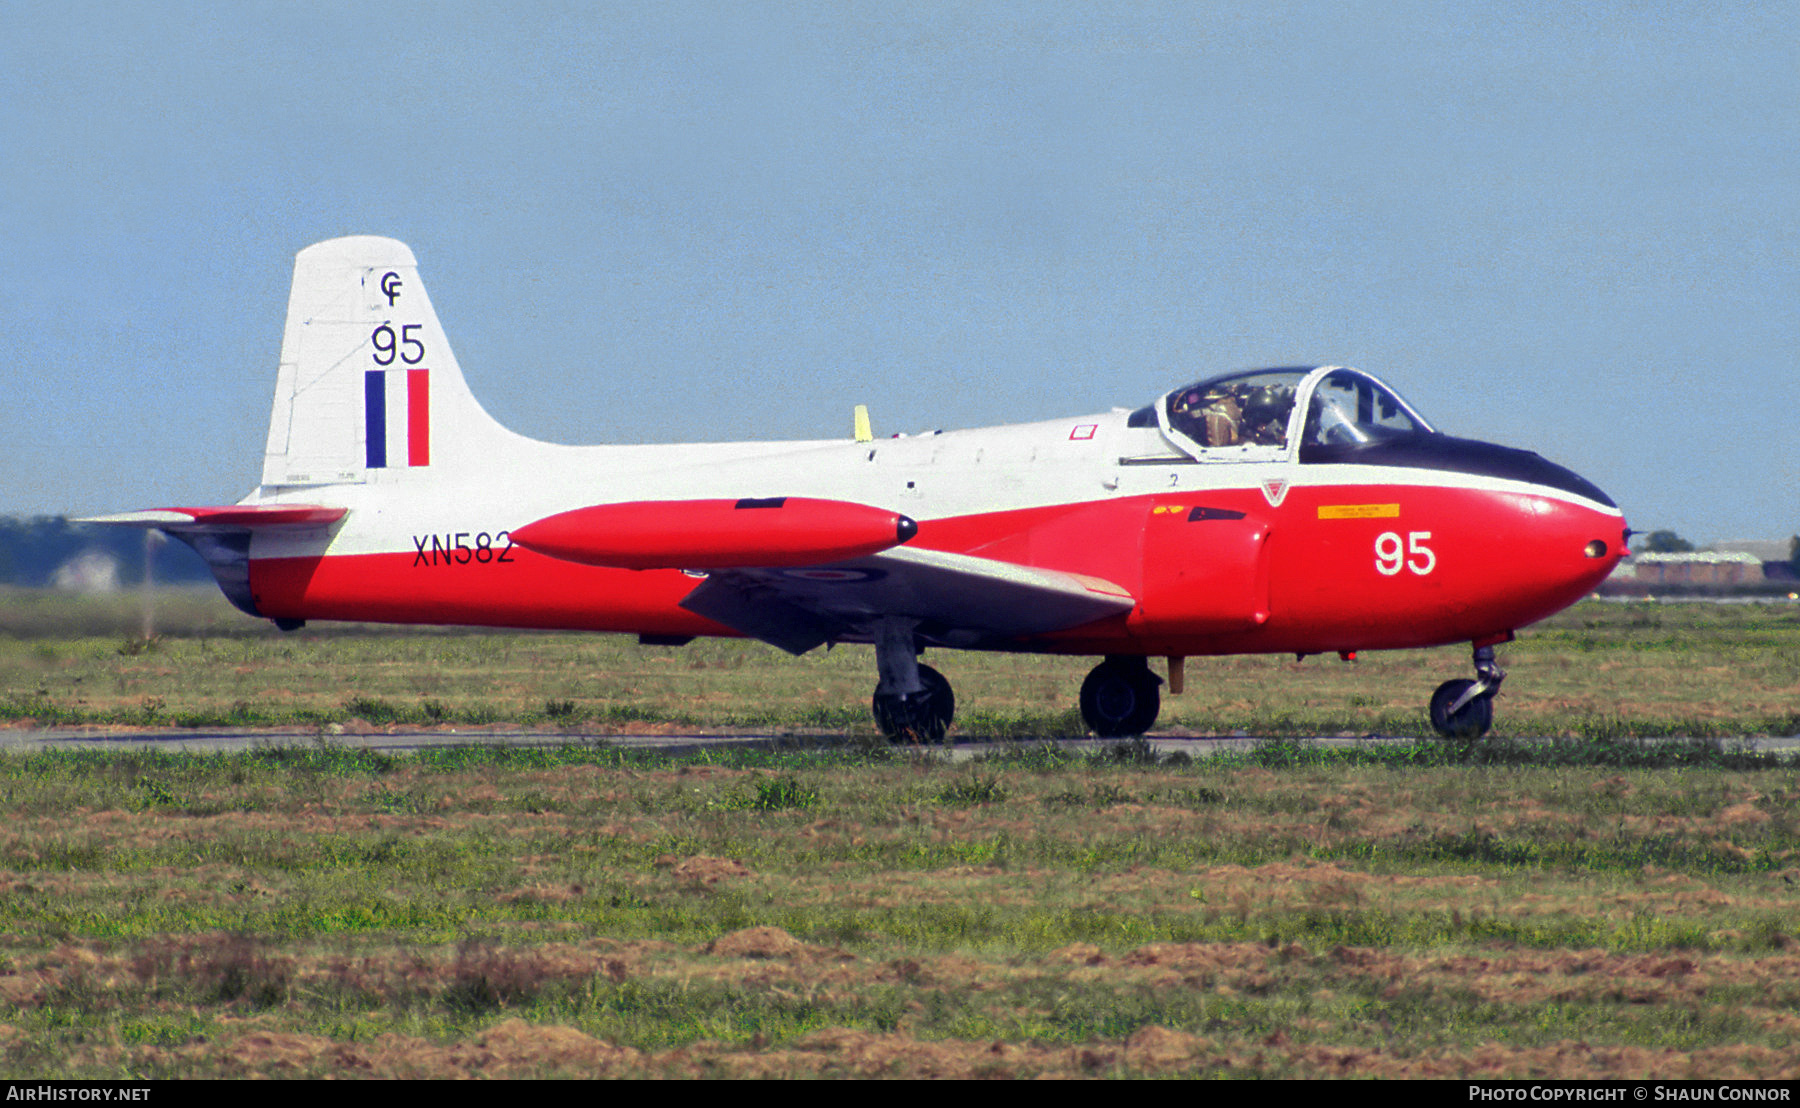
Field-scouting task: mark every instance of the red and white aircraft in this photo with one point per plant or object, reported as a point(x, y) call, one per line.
point(1298, 511)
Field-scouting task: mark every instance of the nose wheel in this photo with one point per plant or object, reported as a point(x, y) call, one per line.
point(1464, 709)
point(1121, 697)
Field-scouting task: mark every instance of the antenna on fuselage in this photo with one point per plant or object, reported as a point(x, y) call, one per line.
point(864, 432)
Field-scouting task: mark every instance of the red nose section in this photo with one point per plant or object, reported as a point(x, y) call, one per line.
point(716, 534)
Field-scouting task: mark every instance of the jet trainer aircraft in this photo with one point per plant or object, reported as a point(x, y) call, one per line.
point(1298, 510)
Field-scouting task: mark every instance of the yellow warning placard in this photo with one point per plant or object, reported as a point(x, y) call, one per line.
point(1359, 511)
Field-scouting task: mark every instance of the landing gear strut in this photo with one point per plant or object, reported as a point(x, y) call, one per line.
point(913, 702)
point(1464, 709)
point(1121, 697)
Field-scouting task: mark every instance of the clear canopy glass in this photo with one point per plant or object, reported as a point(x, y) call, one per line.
point(1353, 409)
point(1251, 416)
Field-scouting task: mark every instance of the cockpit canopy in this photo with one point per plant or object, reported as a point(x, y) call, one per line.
point(1325, 416)
point(1250, 416)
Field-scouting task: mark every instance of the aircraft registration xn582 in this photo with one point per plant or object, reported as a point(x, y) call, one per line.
point(1294, 510)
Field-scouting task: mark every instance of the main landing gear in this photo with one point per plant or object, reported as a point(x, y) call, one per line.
point(1464, 709)
point(921, 717)
point(913, 702)
point(1121, 697)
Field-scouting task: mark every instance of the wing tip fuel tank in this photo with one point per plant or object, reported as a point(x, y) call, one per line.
point(716, 534)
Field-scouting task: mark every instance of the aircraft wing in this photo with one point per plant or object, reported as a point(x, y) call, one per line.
point(957, 599)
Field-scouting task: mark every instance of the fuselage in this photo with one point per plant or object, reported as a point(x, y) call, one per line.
point(1295, 550)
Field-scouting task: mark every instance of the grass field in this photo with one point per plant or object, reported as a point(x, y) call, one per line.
point(1595, 671)
point(1597, 907)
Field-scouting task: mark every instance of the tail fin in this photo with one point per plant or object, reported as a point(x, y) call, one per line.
point(368, 389)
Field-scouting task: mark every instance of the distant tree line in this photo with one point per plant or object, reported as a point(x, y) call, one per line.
point(32, 550)
point(1664, 542)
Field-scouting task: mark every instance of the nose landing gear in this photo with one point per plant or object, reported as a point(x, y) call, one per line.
point(1464, 709)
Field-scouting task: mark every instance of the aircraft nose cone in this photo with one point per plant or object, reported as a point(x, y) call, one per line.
point(1545, 552)
point(905, 528)
point(1606, 546)
point(1589, 544)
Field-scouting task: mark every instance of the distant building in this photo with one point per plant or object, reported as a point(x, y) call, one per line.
point(1698, 567)
point(1768, 550)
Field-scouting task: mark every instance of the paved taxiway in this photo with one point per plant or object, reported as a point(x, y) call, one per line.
point(227, 739)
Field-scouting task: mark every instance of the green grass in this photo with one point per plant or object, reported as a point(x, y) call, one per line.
point(1597, 672)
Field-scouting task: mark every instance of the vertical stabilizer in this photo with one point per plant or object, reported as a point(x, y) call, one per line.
point(368, 388)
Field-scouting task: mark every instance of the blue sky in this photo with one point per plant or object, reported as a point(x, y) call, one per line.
point(1569, 227)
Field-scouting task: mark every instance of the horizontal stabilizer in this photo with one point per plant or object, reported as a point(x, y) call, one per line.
point(235, 517)
point(222, 536)
point(716, 534)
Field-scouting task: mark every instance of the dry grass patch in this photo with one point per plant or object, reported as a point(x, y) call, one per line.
point(579, 912)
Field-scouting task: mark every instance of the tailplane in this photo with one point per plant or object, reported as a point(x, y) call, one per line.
point(368, 393)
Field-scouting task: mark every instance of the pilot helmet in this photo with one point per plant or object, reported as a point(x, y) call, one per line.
point(1268, 401)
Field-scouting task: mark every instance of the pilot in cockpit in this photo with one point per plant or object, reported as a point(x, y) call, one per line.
point(1266, 411)
point(1233, 413)
point(1209, 416)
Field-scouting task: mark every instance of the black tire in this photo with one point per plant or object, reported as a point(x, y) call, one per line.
point(923, 717)
point(1472, 721)
point(1120, 698)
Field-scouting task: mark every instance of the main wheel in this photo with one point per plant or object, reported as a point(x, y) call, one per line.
point(923, 717)
point(1471, 721)
point(1120, 697)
